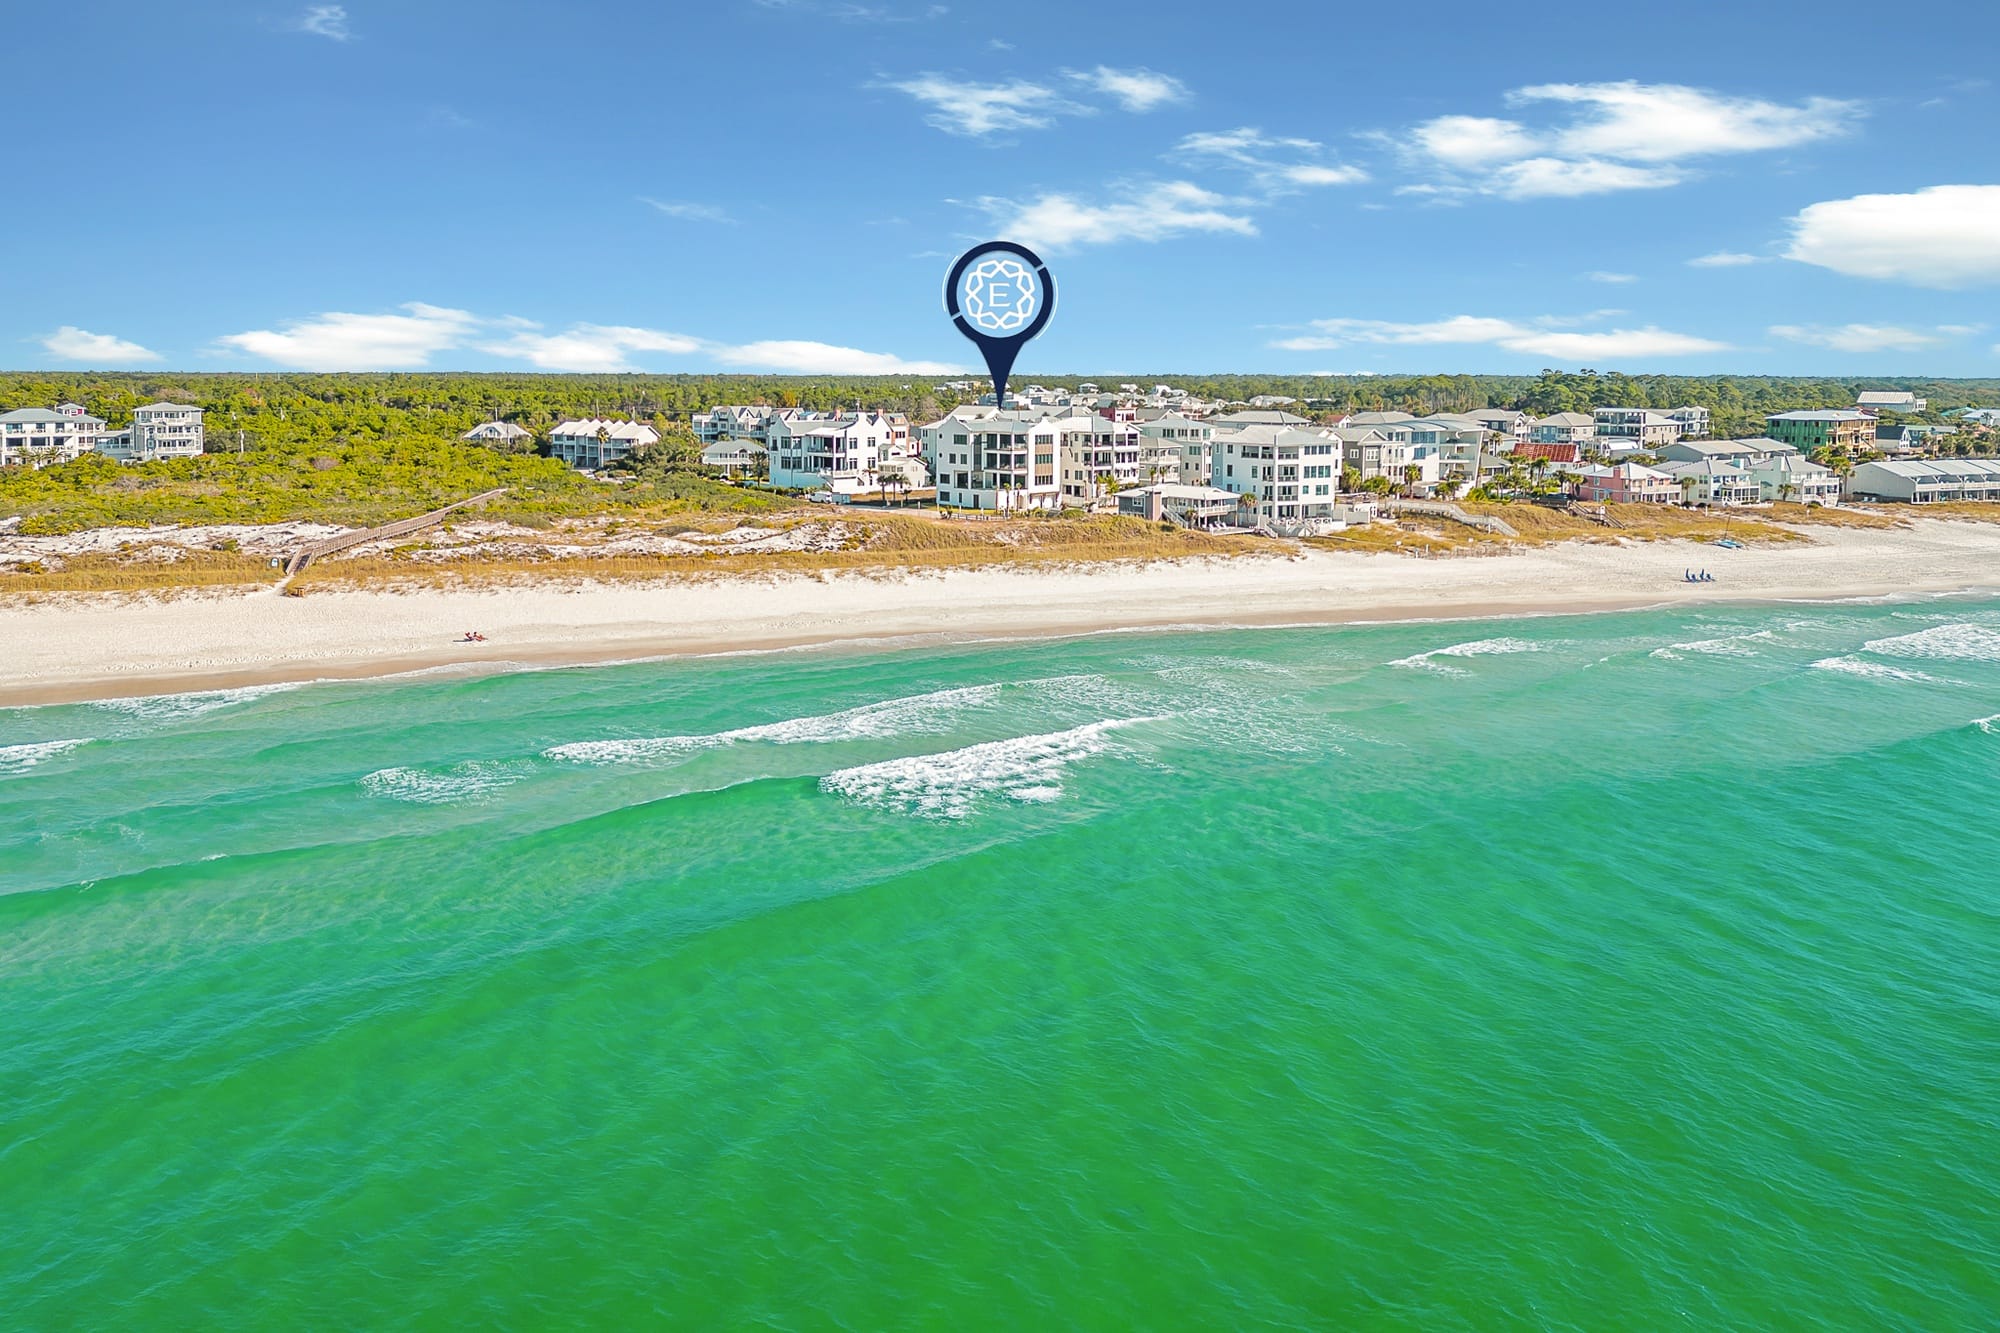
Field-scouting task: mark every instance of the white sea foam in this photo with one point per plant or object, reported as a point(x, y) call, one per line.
point(1856, 666)
point(469, 781)
point(951, 785)
point(1477, 648)
point(1986, 724)
point(1954, 642)
point(16, 759)
point(1732, 645)
point(892, 717)
point(174, 707)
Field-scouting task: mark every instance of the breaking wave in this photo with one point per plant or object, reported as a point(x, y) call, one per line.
point(1477, 648)
point(952, 784)
point(1732, 645)
point(916, 713)
point(443, 786)
point(1955, 642)
point(174, 707)
point(17, 759)
point(1855, 666)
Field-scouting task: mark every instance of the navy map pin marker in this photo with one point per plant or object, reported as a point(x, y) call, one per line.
point(1000, 295)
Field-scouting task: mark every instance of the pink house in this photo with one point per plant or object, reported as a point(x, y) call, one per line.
point(1627, 483)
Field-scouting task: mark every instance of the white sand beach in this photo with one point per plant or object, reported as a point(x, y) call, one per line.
point(67, 647)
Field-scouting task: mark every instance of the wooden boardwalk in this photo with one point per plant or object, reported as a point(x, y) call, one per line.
point(312, 551)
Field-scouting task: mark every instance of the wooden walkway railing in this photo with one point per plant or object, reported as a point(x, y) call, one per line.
point(312, 551)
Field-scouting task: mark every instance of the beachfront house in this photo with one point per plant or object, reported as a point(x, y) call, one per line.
point(158, 430)
point(1837, 428)
point(1177, 438)
point(842, 454)
point(1188, 506)
point(1563, 428)
point(1284, 477)
point(1624, 483)
point(1003, 461)
point(1792, 476)
point(1927, 482)
point(598, 442)
point(1099, 456)
point(1714, 483)
point(37, 436)
point(735, 458)
point(1635, 429)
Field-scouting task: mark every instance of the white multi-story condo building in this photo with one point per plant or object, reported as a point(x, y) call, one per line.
point(597, 442)
point(1694, 422)
point(1793, 476)
point(731, 423)
point(1927, 482)
point(1177, 440)
point(1635, 428)
point(983, 459)
point(34, 436)
point(158, 430)
point(1097, 456)
point(1890, 400)
point(1289, 477)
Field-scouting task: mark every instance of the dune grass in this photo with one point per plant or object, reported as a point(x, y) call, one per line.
point(114, 573)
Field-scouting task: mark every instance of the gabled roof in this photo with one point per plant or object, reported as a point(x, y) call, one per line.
point(1378, 418)
point(1262, 419)
point(40, 416)
point(1571, 419)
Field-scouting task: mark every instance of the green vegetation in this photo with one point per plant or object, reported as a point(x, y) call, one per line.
point(359, 449)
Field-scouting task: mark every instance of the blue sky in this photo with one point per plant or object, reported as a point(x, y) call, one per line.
point(780, 185)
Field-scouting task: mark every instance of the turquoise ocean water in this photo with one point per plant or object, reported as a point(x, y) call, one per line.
point(1630, 971)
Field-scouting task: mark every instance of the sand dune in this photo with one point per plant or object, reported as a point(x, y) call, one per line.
point(76, 647)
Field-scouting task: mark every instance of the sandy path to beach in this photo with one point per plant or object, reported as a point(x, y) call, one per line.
point(105, 645)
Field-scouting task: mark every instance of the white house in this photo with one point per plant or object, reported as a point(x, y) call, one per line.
point(735, 457)
point(158, 430)
point(1179, 440)
point(1713, 482)
point(1791, 476)
point(839, 453)
point(1288, 477)
point(497, 432)
point(983, 459)
point(1504, 422)
point(731, 423)
point(1097, 456)
point(1927, 482)
point(1638, 428)
point(598, 442)
point(1694, 422)
point(34, 436)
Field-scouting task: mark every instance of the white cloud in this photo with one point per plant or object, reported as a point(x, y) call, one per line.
point(685, 211)
point(1857, 337)
point(590, 347)
point(1474, 141)
point(1599, 275)
point(69, 343)
point(1944, 236)
point(826, 359)
point(1133, 89)
point(1667, 122)
point(329, 21)
point(1537, 338)
point(1144, 212)
point(1725, 259)
point(1560, 178)
point(974, 109)
point(340, 341)
point(1617, 136)
point(1263, 156)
